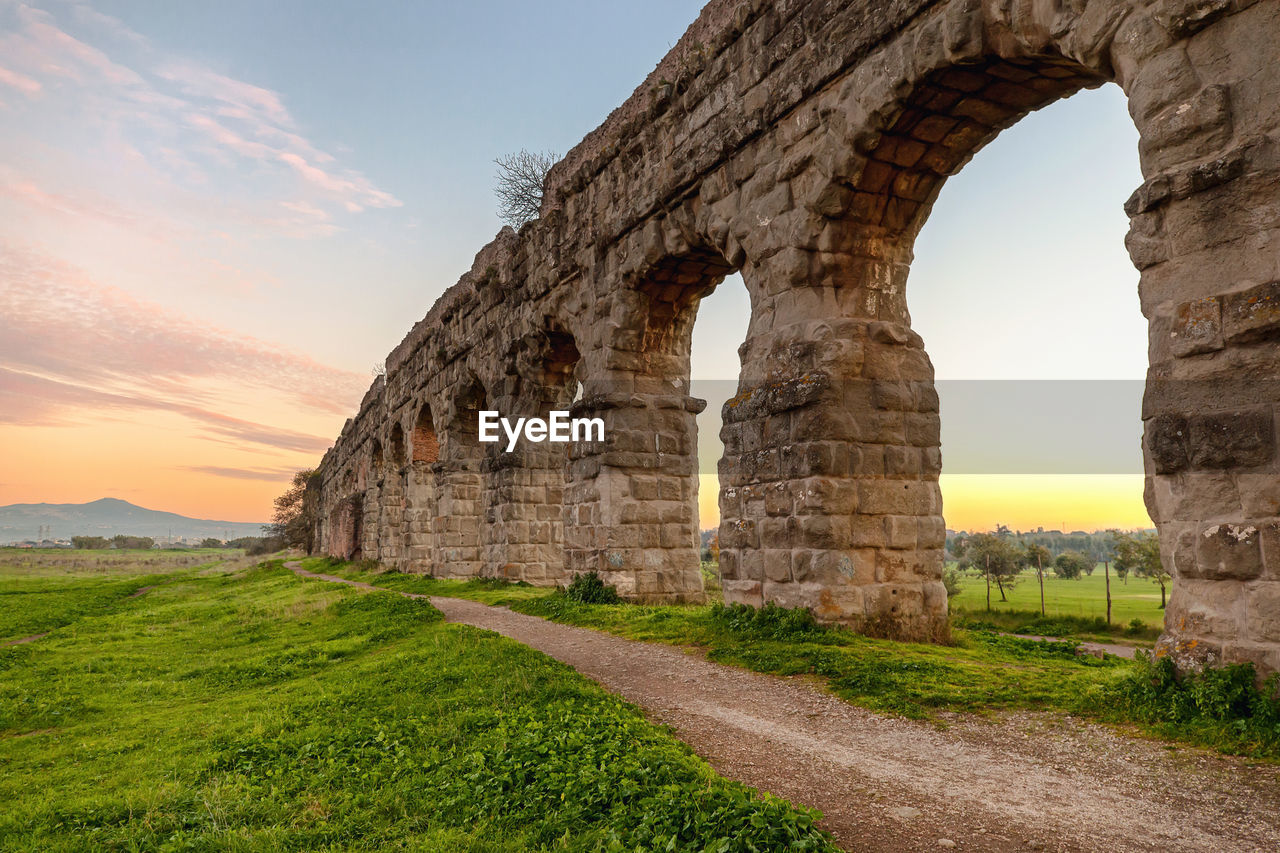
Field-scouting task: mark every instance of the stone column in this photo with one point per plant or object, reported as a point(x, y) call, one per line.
point(631, 502)
point(390, 529)
point(523, 528)
point(456, 526)
point(370, 526)
point(419, 517)
point(829, 494)
point(1205, 233)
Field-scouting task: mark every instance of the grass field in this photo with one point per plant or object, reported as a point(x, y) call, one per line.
point(981, 672)
point(1085, 597)
point(234, 707)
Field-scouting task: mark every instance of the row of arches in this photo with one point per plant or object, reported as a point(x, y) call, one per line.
point(811, 176)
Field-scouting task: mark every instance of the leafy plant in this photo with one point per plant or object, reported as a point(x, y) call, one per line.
point(589, 588)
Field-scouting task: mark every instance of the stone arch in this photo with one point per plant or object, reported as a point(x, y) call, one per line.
point(803, 143)
point(420, 492)
point(525, 486)
point(456, 545)
point(633, 500)
point(396, 448)
point(872, 549)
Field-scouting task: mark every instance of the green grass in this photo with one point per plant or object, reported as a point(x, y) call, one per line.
point(1083, 599)
point(246, 709)
point(484, 590)
point(981, 672)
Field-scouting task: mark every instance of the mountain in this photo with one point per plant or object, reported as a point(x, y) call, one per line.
point(107, 517)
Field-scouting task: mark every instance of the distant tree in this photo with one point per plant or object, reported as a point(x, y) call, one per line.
point(1034, 557)
point(1140, 553)
point(951, 576)
point(294, 521)
point(264, 545)
point(90, 543)
point(244, 542)
point(996, 556)
point(210, 543)
point(132, 543)
point(522, 180)
point(1071, 565)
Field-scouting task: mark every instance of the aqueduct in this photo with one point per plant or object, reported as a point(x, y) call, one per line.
point(802, 143)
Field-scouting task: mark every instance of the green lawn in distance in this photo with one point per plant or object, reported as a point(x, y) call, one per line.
point(1085, 597)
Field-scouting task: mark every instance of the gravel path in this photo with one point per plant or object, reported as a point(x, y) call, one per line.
point(1016, 782)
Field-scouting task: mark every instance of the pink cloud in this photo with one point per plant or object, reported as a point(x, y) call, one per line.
point(55, 45)
point(273, 475)
point(56, 322)
point(21, 82)
point(100, 209)
point(246, 97)
point(29, 400)
point(180, 104)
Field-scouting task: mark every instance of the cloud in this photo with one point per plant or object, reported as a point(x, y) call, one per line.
point(157, 104)
point(56, 322)
point(30, 400)
point(272, 475)
point(21, 82)
point(27, 191)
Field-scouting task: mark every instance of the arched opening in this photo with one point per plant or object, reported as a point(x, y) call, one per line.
point(397, 446)
point(645, 536)
point(715, 354)
point(525, 486)
point(1041, 418)
point(420, 493)
point(834, 451)
point(456, 527)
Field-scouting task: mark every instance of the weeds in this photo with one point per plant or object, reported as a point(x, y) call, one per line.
point(588, 588)
point(1220, 707)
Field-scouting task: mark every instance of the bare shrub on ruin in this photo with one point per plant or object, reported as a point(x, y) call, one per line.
point(521, 182)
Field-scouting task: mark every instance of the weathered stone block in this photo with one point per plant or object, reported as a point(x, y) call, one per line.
point(1232, 439)
point(1252, 315)
point(1229, 551)
point(1197, 327)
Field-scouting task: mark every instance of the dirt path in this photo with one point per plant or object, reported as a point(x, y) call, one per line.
point(1098, 649)
point(1021, 782)
point(30, 639)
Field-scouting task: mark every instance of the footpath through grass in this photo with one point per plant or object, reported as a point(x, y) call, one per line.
point(250, 710)
point(982, 672)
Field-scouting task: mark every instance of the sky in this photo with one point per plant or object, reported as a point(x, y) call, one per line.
point(216, 219)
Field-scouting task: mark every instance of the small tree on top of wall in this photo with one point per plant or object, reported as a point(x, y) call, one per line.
point(522, 180)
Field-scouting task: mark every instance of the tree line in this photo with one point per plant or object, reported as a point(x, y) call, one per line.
point(1002, 556)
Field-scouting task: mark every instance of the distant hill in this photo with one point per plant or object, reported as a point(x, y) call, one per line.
point(107, 517)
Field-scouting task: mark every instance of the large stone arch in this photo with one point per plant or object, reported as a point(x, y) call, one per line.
point(420, 492)
point(803, 143)
point(632, 500)
point(524, 486)
point(458, 529)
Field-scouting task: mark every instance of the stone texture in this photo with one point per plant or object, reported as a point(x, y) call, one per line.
point(802, 144)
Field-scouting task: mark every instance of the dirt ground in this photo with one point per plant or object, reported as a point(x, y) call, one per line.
point(1014, 782)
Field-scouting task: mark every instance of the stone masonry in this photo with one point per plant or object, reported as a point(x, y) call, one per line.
point(802, 144)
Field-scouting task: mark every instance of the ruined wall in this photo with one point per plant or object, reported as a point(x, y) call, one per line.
point(802, 144)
